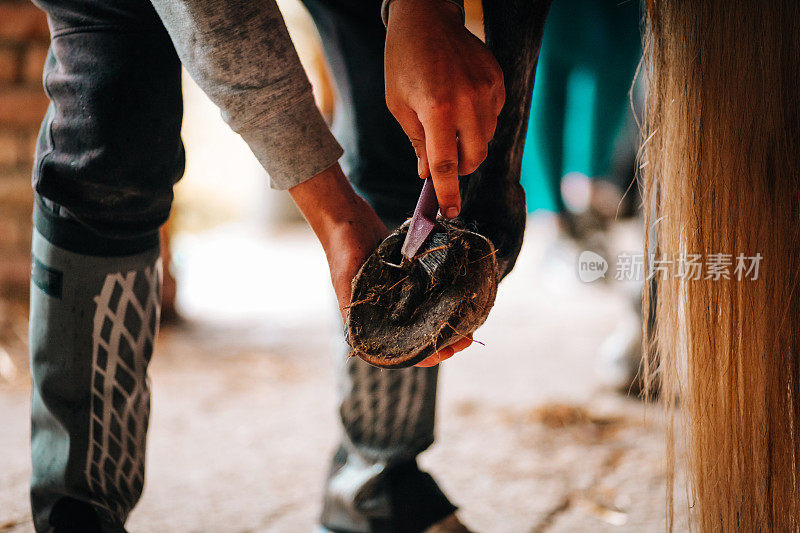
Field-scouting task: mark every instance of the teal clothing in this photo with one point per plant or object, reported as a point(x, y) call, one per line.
point(581, 97)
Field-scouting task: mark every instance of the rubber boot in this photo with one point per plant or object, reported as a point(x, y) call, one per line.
point(93, 322)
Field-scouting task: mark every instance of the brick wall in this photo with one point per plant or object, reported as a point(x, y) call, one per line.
point(24, 39)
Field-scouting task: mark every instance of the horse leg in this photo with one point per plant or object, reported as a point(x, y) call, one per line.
point(492, 196)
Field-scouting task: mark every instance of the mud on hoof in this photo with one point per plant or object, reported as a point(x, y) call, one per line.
point(400, 315)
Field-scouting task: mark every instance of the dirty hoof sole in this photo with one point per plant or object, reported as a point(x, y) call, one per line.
point(400, 316)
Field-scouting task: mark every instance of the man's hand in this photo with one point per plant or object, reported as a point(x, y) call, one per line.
point(445, 89)
point(349, 230)
point(350, 245)
point(346, 226)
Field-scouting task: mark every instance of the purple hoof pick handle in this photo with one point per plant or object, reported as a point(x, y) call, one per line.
point(422, 222)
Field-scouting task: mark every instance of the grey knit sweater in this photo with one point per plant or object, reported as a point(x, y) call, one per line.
point(239, 52)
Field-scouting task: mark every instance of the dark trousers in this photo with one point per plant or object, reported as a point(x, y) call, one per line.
point(109, 149)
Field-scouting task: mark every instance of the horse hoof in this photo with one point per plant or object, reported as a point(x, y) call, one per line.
point(403, 312)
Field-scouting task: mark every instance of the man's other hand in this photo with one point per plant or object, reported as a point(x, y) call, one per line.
point(346, 226)
point(351, 243)
point(445, 89)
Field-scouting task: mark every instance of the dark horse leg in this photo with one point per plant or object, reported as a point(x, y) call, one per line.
point(493, 198)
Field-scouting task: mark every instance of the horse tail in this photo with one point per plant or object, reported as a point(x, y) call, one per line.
point(721, 177)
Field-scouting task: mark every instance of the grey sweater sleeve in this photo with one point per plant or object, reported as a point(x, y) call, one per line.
point(240, 54)
point(385, 9)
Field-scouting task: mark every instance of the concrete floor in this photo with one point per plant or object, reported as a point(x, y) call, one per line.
point(243, 418)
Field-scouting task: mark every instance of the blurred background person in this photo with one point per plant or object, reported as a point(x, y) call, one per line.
point(580, 152)
point(581, 122)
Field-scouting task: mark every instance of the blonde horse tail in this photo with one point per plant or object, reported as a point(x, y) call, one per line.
point(721, 178)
